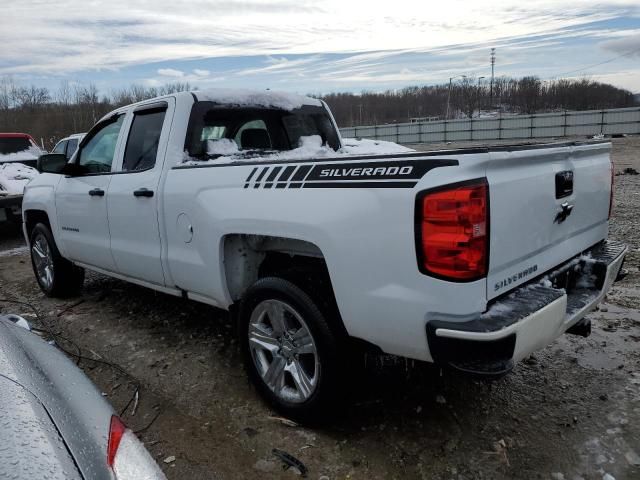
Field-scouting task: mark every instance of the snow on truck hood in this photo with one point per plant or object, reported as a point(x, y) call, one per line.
point(31, 153)
point(14, 177)
point(226, 151)
point(253, 98)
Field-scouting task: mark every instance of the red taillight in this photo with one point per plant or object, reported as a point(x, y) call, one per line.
point(116, 430)
point(453, 240)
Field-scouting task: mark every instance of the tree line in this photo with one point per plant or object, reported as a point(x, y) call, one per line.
point(467, 97)
point(49, 115)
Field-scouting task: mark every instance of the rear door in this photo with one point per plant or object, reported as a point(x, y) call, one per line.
point(546, 206)
point(133, 196)
point(81, 202)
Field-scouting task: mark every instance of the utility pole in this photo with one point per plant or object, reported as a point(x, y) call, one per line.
point(493, 63)
point(479, 103)
point(449, 94)
point(448, 99)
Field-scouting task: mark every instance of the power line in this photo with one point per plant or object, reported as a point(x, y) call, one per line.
point(598, 64)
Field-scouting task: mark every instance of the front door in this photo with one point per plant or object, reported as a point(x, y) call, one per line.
point(81, 201)
point(133, 197)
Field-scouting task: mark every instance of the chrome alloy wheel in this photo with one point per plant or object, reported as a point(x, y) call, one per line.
point(283, 351)
point(43, 261)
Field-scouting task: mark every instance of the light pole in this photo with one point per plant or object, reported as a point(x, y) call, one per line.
point(449, 94)
point(479, 106)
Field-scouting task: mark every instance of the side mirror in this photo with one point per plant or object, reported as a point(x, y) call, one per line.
point(52, 163)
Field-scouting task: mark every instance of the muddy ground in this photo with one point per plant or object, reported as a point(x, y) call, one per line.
point(572, 411)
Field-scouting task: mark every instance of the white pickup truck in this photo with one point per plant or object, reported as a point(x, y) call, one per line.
point(248, 201)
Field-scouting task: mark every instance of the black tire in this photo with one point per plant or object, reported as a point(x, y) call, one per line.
point(328, 343)
point(66, 278)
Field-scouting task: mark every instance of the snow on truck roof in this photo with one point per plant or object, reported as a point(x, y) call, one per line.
point(256, 98)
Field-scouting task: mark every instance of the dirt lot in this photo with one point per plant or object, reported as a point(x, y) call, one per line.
point(572, 411)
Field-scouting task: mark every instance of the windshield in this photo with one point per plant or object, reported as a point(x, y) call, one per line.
point(246, 130)
point(14, 145)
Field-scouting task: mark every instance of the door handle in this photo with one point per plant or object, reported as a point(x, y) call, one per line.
point(96, 192)
point(143, 192)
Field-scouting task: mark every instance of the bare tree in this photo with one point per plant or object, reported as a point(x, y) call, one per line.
point(75, 107)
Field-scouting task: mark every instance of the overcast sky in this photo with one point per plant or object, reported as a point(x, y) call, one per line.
point(316, 46)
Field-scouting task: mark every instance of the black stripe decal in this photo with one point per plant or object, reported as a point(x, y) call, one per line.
point(246, 182)
point(345, 159)
point(286, 173)
point(393, 174)
point(260, 176)
point(272, 176)
point(301, 173)
point(366, 171)
point(387, 184)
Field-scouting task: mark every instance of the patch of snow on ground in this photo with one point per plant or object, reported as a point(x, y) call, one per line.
point(253, 98)
point(14, 177)
point(13, 252)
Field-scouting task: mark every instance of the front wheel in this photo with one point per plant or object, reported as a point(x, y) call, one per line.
point(56, 276)
point(290, 352)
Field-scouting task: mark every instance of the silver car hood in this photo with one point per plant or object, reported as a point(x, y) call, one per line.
point(58, 407)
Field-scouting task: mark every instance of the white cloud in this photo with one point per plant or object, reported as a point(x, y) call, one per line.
point(116, 34)
point(200, 72)
point(170, 72)
point(626, 45)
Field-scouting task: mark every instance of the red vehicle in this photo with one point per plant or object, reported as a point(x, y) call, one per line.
point(15, 148)
point(20, 148)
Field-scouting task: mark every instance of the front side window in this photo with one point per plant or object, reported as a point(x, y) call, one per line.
point(97, 154)
point(59, 148)
point(72, 144)
point(144, 137)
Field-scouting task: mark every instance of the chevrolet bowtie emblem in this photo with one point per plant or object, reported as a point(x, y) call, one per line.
point(565, 211)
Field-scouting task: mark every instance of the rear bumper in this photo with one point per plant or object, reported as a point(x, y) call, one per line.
point(530, 317)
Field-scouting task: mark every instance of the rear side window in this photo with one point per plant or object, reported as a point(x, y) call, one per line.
point(144, 137)
point(253, 134)
point(60, 146)
point(256, 129)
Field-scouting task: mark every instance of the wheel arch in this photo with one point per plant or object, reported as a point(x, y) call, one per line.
point(32, 217)
point(246, 258)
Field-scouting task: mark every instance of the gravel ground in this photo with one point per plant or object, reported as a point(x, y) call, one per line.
point(571, 411)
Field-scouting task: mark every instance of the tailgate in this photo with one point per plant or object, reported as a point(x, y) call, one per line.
point(546, 205)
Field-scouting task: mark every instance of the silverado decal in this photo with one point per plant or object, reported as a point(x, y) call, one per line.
point(398, 174)
point(515, 277)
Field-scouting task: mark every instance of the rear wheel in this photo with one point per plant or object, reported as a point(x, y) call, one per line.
point(290, 352)
point(56, 276)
